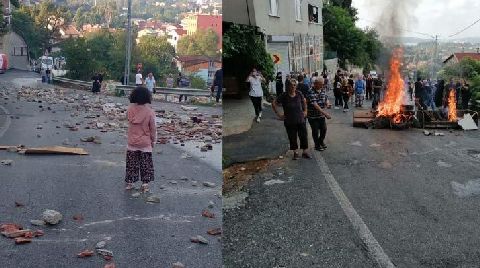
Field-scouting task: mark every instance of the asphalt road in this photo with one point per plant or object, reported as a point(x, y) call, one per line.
point(418, 195)
point(139, 234)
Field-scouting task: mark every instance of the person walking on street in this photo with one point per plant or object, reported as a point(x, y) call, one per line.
point(317, 103)
point(351, 85)
point(43, 73)
point(138, 78)
point(359, 91)
point(48, 73)
point(256, 92)
point(294, 114)
point(345, 94)
point(218, 84)
point(302, 87)
point(337, 90)
point(279, 84)
point(150, 83)
point(182, 82)
point(142, 136)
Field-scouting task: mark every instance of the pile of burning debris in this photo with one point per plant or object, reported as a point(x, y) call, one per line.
point(393, 113)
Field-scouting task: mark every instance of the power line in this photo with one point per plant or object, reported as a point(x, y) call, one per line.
point(399, 28)
point(464, 29)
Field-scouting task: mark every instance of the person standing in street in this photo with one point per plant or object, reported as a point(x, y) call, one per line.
point(48, 74)
point(419, 93)
point(317, 103)
point(345, 94)
point(369, 85)
point(150, 83)
point(43, 73)
point(96, 83)
point(218, 84)
point(337, 90)
point(377, 88)
point(359, 91)
point(466, 95)
point(142, 136)
point(256, 92)
point(170, 81)
point(279, 84)
point(294, 114)
point(138, 78)
point(351, 85)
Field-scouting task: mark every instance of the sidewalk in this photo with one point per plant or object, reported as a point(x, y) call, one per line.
point(264, 140)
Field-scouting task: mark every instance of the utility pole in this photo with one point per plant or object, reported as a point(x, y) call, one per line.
point(129, 43)
point(434, 63)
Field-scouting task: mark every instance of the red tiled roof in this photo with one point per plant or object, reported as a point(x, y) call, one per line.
point(460, 56)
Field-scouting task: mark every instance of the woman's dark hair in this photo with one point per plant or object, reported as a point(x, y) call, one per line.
point(141, 96)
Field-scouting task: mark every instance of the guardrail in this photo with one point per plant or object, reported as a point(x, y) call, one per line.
point(125, 90)
point(86, 85)
point(170, 91)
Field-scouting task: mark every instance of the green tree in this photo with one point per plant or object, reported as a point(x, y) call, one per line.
point(24, 25)
point(3, 26)
point(155, 54)
point(244, 49)
point(197, 82)
point(79, 58)
point(202, 43)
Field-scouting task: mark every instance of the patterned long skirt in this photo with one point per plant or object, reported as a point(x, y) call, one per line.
point(139, 164)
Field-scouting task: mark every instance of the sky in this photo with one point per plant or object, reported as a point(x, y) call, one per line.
point(442, 17)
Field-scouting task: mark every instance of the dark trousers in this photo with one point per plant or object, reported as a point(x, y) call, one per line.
point(181, 97)
point(139, 164)
point(376, 100)
point(257, 104)
point(369, 94)
point(298, 131)
point(338, 100)
point(345, 101)
point(319, 130)
point(219, 93)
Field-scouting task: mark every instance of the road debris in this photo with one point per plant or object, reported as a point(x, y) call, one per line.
point(178, 265)
point(208, 214)
point(272, 182)
point(100, 245)
point(470, 188)
point(86, 253)
point(51, 216)
point(38, 222)
point(214, 231)
point(18, 204)
point(54, 150)
point(7, 162)
point(467, 123)
point(104, 252)
point(199, 239)
point(109, 265)
point(78, 217)
point(426, 133)
point(209, 184)
point(152, 199)
point(22, 240)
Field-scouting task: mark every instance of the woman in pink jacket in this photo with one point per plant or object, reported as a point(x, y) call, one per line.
point(142, 135)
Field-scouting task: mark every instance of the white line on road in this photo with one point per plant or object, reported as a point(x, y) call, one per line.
point(7, 123)
point(373, 247)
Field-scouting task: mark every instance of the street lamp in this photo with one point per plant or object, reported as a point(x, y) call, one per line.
point(129, 43)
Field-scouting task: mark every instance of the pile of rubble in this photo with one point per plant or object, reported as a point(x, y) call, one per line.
point(105, 115)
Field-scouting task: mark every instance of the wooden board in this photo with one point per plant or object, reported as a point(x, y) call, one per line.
point(3, 147)
point(363, 114)
point(54, 150)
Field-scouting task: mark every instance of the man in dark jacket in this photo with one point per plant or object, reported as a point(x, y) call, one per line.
point(218, 83)
point(279, 84)
point(419, 93)
point(302, 87)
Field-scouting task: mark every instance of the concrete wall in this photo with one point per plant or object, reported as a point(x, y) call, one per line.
point(12, 44)
point(236, 11)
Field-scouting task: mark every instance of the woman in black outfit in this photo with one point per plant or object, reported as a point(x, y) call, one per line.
point(279, 84)
point(294, 114)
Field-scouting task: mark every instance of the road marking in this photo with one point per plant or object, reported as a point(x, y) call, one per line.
point(7, 123)
point(371, 244)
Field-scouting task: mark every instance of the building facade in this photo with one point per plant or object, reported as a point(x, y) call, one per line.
point(194, 22)
point(293, 30)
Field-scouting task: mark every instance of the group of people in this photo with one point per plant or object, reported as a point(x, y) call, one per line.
point(433, 95)
point(46, 75)
point(301, 102)
point(346, 89)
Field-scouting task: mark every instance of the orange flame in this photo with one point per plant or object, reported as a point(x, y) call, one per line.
point(395, 90)
point(452, 106)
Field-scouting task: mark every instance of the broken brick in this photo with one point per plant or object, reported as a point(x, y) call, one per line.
point(208, 214)
point(85, 253)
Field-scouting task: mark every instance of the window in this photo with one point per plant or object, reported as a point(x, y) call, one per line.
point(298, 10)
point(312, 14)
point(19, 51)
point(274, 8)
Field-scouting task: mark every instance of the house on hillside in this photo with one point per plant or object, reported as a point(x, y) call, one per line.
point(174, 35)
point(457, 57)
point(292, 30)
point(69, 31)
point(202, 66)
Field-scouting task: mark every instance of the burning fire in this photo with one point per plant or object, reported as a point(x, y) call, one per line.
point(452, 106)
point(394, 96)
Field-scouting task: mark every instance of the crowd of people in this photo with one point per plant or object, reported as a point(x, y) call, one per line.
point(434, 95)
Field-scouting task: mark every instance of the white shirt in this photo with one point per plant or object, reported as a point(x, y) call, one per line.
point(138, 79)
point(255, 86)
